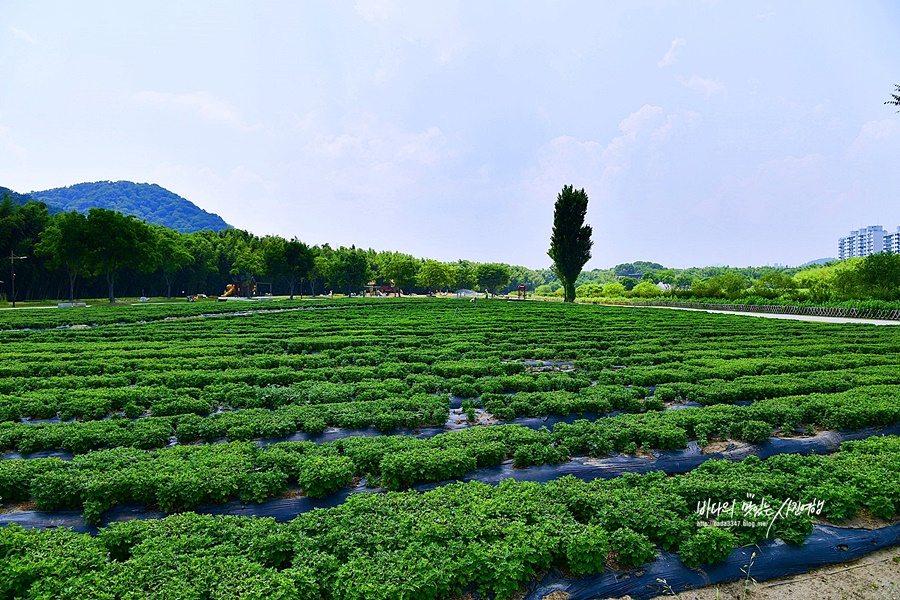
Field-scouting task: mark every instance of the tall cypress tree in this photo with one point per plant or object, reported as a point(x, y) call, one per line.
point(570, 243)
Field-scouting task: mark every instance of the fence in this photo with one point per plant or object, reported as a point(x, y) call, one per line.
point(817, 311)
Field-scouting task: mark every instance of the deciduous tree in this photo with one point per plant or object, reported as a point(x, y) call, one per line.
point(401, 268)
point(628, 283)
point(492, 276)
point(614, 290)
point(879, 276)
point(119, 241)
point(299, 261)
point(173, 254)
point(772, 285)
point(646, 289)
point(350, 269)
point(321, 269)
point(290, 260)
point(435, 275)
point(66, 244)
point(465, 275)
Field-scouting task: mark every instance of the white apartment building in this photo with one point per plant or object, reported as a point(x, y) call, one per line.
point(869, 240)
point(892, 242)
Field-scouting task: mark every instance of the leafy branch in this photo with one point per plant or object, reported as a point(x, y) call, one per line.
point(896, 98)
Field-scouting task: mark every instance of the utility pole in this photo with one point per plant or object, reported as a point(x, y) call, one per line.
point(12, 274)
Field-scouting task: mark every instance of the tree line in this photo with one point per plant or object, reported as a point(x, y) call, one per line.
point(106, 253)
point(875, 277)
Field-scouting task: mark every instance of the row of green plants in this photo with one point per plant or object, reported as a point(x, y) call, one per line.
point(93, 374)
point(104, 314)
point(413, 325)
point(756, 387)
point(732, 369)
point(596, 399)
point(155, 432)
point(348, 355)
point(293, 410)
point(99, 479)
point(409, 324)
point(455, 538)
point(165, 393)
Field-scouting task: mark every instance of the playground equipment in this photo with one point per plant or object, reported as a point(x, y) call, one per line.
point(244, 288)
point(387, 289)
point(240, 288)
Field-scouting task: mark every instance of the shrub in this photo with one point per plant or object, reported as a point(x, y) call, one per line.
point(404, 469)
point(709, 545)
point(633, 549)
point(586, 550)
point(755, 432)
point(323, 475)
point(535, 454)
point(488, 454)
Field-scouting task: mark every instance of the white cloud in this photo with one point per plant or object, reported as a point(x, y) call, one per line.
point(640, 156)
point(793, 166)
point(374, 10)
point(822, 109)
point(423, 148)
point(435, 27)
point(566, 159)
point(708, 87)
point(202, 104)
point(371, 141)
point(633, 122)
point(662, 133)
point(21, 34)
point(672, 55)
point(372, 173)
point(659, 161)
point(874, 131)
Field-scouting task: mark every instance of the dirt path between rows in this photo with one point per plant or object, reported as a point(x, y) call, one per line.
point(874, 576)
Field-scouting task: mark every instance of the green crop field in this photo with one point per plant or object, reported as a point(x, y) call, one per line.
point(176, 407)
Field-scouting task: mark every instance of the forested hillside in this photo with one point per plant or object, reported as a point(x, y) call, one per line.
point(146, 201)
point(16, 197)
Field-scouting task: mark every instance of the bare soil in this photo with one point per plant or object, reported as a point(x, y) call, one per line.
point(872, 577)
point(723, 446)
point(862, 520)
point(12, 507)
point(292, 493)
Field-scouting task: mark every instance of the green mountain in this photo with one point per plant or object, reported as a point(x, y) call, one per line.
point(15, 196)
point(146, 201)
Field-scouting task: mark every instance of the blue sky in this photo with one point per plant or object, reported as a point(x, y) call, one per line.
point(742, 133)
